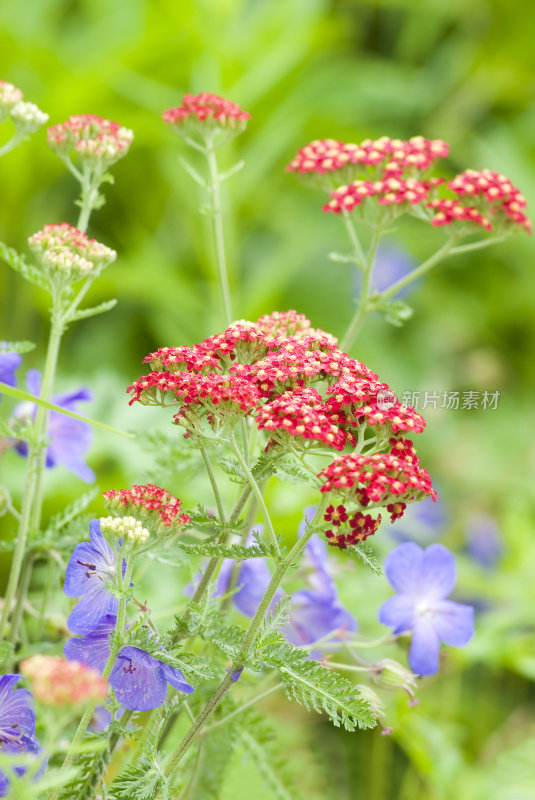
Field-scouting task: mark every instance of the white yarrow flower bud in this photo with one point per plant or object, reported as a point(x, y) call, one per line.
point(28, 117)
point(127, 528)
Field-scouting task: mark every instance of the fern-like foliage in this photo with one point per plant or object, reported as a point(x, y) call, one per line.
point(315, 687)
point(91, 766)
point(290, 470)
point(364, 553)
point(17, 262)
point(144, 780)
point(84, 313)
point(206, 621)
point(238, 552)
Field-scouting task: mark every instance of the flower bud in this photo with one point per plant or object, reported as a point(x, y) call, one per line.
point(391, 674)
point(28, 117)
point(129, 529)
point(67, 255)
point(98, 142)
point(9, 96)
point(57, 682)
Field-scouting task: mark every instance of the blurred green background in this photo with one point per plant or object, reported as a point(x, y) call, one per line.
point(305, 69)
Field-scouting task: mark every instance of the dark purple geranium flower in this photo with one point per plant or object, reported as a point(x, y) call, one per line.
point(91, 565)
point(17, 723)
point(422, 580)
point(314, 612)
point(69, 438)
point(9, 364)
point(138, 679)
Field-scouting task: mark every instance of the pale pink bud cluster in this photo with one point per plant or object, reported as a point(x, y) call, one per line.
point(97, 141)
point(207, 111)
point(57, 682)
point(9, 95)
point(66, 252)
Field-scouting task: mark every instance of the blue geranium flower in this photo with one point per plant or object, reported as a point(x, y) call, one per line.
point(422, 580)
point(314, 612)
point(138, 679)
point(91, 565)
point(69, 438)
point(17, 724)
point(9, 364)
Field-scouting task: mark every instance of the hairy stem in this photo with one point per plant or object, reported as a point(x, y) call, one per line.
point(257, 492)
point(362, 310)
point(248, 642)
point(214, 188)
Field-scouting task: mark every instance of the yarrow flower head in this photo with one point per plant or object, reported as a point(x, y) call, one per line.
point(349, 530)
point(127, 529)
point(138, 679)
point(206, 113)
point(27, 117)
point(330, 162)
point(58, 682)
point(151, 503)
point(17, 724)
point(9, 364)
point(422, 580)
point(495, 196)
point(69, 438)
point(379, 479)
point(67, 255)
point(91, 566)
point(98, 142)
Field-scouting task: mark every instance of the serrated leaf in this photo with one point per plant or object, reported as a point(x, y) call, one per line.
point(238, 552)
point(264, 467)
point(317, 688)
point(84, 313)
point(17, 262)
point(20, 394)
point(16, 347)
point(143, 780)
point(71, 512)
point(294, 473)
point(231, 466)
point(396, 312)
point(366, 556)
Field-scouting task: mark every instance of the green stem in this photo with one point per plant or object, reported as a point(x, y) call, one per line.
point(248, 642)
point(11, 144)
point(115, 647)
point(30, 512)
point(215, 487)
point(89, 182)
point(24, 584)
point(358, 254)
point(217, 231)
point(245, 706)
point(444, 252)
point(362, 309)
point(257, 492)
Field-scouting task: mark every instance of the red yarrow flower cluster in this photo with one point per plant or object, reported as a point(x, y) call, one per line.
point(327, 155)
point(93, 138)
point(302, 413)
point(389, 191)
point(368, 401)
point(148, 500)
point(381, 478)
point(208, 109)
point(358, 528)
point(448, 211)
point(498, 192)
point(57, 682)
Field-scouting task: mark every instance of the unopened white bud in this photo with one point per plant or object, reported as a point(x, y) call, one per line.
point(128, 528)
point(28, 117)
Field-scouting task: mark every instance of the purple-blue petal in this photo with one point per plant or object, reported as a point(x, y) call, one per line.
point(398, 612)
point(438, 572)
point(9, 364)
point(403, 568)
point(176, 679)
point(16, 706)
point(138, 680)
point(425, 647)
point(483, 540)
point(454, 622)
point(253, 580)
point(93, 649)
point(312, 617)
point(92, 606)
